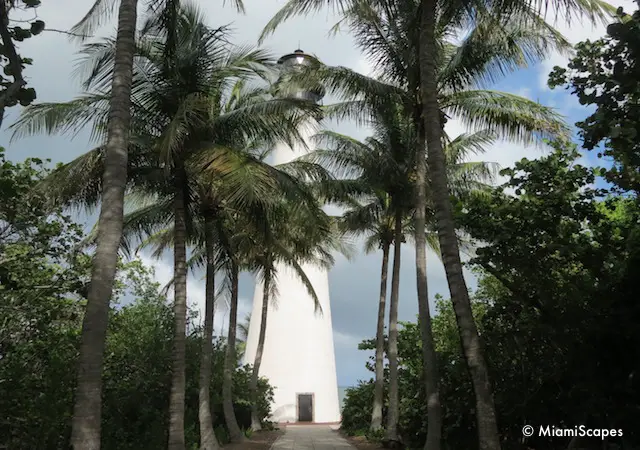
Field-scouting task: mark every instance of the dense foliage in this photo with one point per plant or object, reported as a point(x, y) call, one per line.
point(557, 307)
point(42, 292)
point(557, 254)
point(606, 74)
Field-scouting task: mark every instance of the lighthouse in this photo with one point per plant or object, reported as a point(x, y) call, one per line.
point(298, 357)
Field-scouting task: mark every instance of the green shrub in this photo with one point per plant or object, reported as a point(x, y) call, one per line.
point(357, 409)
point(39, 371)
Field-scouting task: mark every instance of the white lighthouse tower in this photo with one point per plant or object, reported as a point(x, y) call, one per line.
point(298, 357)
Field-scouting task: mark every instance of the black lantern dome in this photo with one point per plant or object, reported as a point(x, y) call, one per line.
point(296, 61)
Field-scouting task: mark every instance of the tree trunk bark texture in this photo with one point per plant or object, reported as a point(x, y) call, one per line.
point(253, 387)
point(87, 411)
point(178, 380)
point(488, 437)
point(429, 356)
point(378, 396)
point(208, 440)
point(393, 413)
point(235, 434)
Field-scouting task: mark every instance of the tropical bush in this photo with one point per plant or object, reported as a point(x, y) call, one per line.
point(42, 283)
point(556, 305)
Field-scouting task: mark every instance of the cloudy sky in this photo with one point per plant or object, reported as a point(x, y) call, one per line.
point(353, 284)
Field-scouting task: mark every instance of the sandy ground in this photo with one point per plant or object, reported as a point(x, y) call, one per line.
point(262, 440)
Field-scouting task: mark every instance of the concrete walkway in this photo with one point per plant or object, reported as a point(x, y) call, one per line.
point(311, 437)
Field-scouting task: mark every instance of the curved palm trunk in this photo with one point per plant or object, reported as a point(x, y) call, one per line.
point(393, 414)
point(253, 387)
point(472, 347)
point(208, 440)
point(378, 396)
point(235, 434)
point(178, 380)
point(85, 425)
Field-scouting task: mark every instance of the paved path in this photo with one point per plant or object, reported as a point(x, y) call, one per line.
point(311, 437)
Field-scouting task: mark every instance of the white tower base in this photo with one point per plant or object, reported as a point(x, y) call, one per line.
point(298, 357)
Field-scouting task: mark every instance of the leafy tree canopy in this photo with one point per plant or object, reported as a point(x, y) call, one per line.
point(606, 74)
point(43, 281)
point(557, 308)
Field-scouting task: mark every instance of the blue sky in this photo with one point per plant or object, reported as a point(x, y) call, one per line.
point(353, 292)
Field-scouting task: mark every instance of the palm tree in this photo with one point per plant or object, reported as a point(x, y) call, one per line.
point(430, 56)
point(225, 235)
point(379, 167)
point(86, 421)
point(208, 439)
point(235, 434)
point(178, 109)
point(380, 237)
point(389, 32)
point(274, 242)
point(384, 172)
point(256, 245)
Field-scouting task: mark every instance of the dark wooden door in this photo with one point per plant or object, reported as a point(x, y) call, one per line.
point(305, 408)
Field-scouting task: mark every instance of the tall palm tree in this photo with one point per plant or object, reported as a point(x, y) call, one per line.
point(380, 237)
point(86, 421)
point(208, 439)
point(235, 434)
point(389, 32)
point(260, 242)
point(224, 232)
point(384, 172)
point(378, 165)
point(429, 57)
point(184, 105)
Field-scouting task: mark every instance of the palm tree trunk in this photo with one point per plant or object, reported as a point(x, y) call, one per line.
point(393, 413)
point(429, 356)
point(178, 380)
point(85, 425)
point(235, 434)
point(488, 437)
point(208, 440)
point(378, 396)
point(253, 387)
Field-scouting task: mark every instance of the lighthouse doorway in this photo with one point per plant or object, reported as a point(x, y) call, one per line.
point(305, 407)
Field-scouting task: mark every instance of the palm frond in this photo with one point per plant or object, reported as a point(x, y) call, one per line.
point(61, 118)
point(293, 8)
point(98, 14)
point(505, 114)
point(493, 49)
